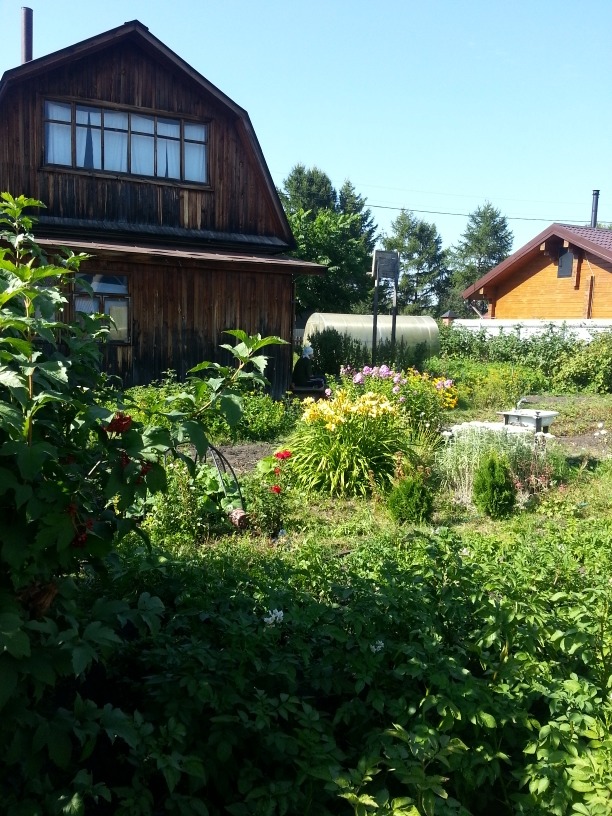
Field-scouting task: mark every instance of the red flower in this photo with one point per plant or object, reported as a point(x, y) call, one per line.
point(284, 454)
point(120, 423)
point(275, 489)
point(277, 471)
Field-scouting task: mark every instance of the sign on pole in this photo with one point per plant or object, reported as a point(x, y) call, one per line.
point(385, 266)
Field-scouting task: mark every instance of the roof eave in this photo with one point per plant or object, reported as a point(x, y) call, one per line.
point(503, 269)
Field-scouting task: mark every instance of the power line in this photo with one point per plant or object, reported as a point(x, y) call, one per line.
point(467, 215)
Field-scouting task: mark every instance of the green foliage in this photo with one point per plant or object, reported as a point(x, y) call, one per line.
point(423, 269)
point(540, 352)
point(194, 506)
point(494, 491)
point(588, 367)
point(535, 462)
point(345, 446)
point(327, 238)
point(76, 475)
point(411, 499)
point(488, 385)
point(417, 673)
point(264, 419)
point(268, 494)
point(333, 351)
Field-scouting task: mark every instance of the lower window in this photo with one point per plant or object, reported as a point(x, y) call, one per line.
point(109, 297)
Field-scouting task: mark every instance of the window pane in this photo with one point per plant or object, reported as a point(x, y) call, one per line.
point(115, 150)
point(86, 304)
point(142, 155)
point(143, 124)
point(113, 119)
point(169, 127)
point(113, 284)
point(168, 158)
point(195, 132)
point(195, 162)
point(57, 110)
point(58, 144)
point(117, 310)
point(88, 116)
point(88, 148)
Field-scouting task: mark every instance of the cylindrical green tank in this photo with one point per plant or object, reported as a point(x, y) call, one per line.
point(411, 330)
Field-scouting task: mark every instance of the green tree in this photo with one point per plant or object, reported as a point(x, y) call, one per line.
point(328, 238)
point(351, 203)
point(308, 189)
point(423, 270)
point(333, 229)
point(486, 242)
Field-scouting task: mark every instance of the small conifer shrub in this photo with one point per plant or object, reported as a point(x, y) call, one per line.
point(411, 500)
point(494, 492)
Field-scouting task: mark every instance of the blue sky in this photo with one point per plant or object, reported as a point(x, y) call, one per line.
point(436, 105)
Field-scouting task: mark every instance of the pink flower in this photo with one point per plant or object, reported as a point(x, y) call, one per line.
point(358, 378)
point(396, 389)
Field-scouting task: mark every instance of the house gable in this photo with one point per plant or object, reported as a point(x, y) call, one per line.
point(175, 260)
point(565, 272)
point(130, 71)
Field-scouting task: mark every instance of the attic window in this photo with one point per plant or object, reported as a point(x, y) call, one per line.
point(566, 264)
point(92, 138)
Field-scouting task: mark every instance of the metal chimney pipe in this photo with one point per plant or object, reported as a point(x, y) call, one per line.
point(594, 210)
point(27, 29)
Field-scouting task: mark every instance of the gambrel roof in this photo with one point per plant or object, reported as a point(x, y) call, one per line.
point(594, 240)
point(134, 33)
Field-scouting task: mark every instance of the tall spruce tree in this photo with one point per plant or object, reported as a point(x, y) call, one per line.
point(423, 270)
point(487, 241)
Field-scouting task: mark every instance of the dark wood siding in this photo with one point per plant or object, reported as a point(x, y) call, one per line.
point(179, 314)
point(127, 76)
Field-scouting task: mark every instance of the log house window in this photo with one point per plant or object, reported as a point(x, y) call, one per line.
point(109, 297)
point(92, 138)
point(566, 264)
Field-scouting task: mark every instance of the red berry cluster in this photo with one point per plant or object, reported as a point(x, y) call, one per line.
point(119, 424)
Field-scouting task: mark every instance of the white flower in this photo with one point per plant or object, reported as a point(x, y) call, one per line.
point(378, 646)
point(274, 616)
point(465, 552)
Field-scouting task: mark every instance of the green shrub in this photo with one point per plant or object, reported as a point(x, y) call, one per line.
point(588, 367)
point(494, 492)
point(345, 446)
point(488, 385)
point(195, 505)
point(333, 350)
point(539, 352)
point(411, 499)
point(266, 420)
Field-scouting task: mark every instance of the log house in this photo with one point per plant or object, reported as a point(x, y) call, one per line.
point(149, 168)
point(564, 273)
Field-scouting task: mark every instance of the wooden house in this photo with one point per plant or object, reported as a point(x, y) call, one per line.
point(148, 167)
point(564, 273)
